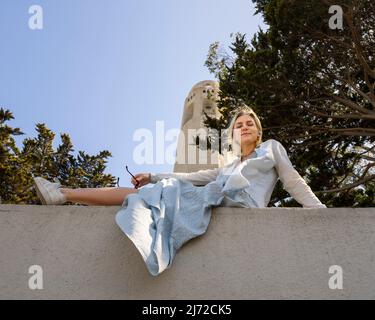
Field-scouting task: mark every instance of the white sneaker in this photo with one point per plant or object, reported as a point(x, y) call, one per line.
point(49, 192)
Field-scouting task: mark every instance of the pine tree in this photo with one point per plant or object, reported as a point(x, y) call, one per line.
point(38, 158)
point(313, 88)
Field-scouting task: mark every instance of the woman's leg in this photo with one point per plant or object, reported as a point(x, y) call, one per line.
point(97, 196)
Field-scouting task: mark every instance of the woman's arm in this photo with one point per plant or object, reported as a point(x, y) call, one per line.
point(199, 178)
point(293, 183)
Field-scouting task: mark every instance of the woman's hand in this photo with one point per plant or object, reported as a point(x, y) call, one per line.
point(143, 179)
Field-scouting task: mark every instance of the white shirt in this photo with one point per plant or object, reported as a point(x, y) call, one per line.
point(255, 177)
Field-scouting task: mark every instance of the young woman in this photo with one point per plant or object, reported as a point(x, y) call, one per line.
point(159, 220)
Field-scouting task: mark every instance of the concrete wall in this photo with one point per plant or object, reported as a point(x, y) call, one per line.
point(245, 254)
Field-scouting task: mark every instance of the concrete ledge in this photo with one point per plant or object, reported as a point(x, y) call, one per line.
point(245, 254)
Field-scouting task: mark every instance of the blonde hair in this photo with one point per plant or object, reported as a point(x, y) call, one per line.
point(241, 111)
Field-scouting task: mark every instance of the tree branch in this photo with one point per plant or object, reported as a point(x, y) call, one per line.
point(350, 186)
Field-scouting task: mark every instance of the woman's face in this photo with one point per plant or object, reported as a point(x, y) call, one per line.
point(245, 130)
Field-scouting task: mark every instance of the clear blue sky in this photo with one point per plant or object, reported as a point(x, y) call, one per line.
point(101, 69)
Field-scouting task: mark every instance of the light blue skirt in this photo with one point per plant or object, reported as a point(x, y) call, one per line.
point(160, 219)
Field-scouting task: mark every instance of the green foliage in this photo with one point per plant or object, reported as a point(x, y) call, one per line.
point(38, 158)
point(313, 88)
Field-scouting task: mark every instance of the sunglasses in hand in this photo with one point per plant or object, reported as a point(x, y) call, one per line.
point(136, 186)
